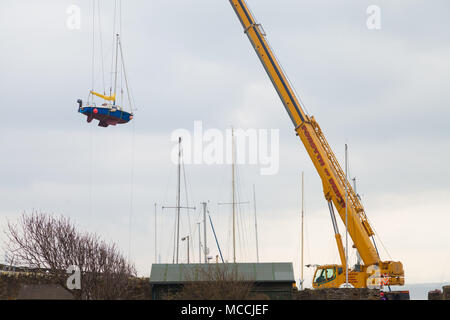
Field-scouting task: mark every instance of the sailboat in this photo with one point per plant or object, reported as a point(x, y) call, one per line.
point(108, 112)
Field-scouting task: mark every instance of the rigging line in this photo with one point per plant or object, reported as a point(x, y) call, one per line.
point(246, 231)
point(115, 69)
point(241, 237)
point(165, 236)
point(125, 75)
point(120, 16)
point(303, 105)
point(371, 224)
point(187, 199)
point(382, 244)
point(187, 187)
point(306, 235)
point(243, 217)
point(174, 237)
point(112, 47)
point(229, 238)
point(227, 231)
point(168, 182)
point(240, 218)
point(250, 233)
point(122, 64)
point(120, 70)
point(101, 46)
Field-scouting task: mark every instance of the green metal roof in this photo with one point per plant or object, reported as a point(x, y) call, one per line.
point(257, 272)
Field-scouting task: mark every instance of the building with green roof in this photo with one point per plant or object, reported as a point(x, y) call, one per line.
point(273, 279)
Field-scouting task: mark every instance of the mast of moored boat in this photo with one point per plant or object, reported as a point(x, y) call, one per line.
point(256, 224)
point(302, 228)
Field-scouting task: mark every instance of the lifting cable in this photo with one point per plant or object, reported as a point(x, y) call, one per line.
point(101, 45)
point(133, 133)
point(93, 45)
point(112, 47)
point(96, 14)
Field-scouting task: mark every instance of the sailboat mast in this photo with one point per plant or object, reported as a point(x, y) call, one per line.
point(156, 247)
point(178, 196)
point(256, 224)
point(204, 233)
point(303, 206)
point(199, 243)
point(346, 215)
point(115, 69)
point(233, 202)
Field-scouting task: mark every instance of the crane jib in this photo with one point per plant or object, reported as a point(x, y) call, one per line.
point(334, 180)
point(274, 65)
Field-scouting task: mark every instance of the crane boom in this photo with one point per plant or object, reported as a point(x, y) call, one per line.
point(332, 176)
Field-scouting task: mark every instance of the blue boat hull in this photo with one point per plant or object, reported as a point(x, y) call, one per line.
point(105, 116)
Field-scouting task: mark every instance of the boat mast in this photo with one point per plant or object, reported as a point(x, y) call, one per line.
point(115, 70)
point(256, 224)
point(178, 206)
point(346, 216)
point(302, 262)
point(233, 202)
point(205, 251)
point(156, 248)
point(199, 243)
point(178, 196)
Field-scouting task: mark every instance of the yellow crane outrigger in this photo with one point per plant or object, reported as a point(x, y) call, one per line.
point(373, 272)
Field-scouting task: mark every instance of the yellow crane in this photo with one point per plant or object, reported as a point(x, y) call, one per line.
point(337, 190)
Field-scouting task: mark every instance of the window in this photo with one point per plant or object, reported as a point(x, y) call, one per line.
point(320, 275)
point(330, 273)
point(324, 275)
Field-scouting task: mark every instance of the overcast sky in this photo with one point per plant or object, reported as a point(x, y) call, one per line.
point(384, 92)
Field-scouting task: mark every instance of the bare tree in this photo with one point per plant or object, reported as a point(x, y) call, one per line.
point(52, 244)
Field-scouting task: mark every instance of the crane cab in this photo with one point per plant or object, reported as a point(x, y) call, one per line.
point(325, 276)
point(333, 276)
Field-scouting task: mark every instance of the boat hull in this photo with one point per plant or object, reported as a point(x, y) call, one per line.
point(106, 116)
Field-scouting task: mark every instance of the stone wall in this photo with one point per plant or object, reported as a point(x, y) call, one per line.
point(446, 292)
point(337, 294)
point(437, 294)
point(20, 285)
point(11, 283)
